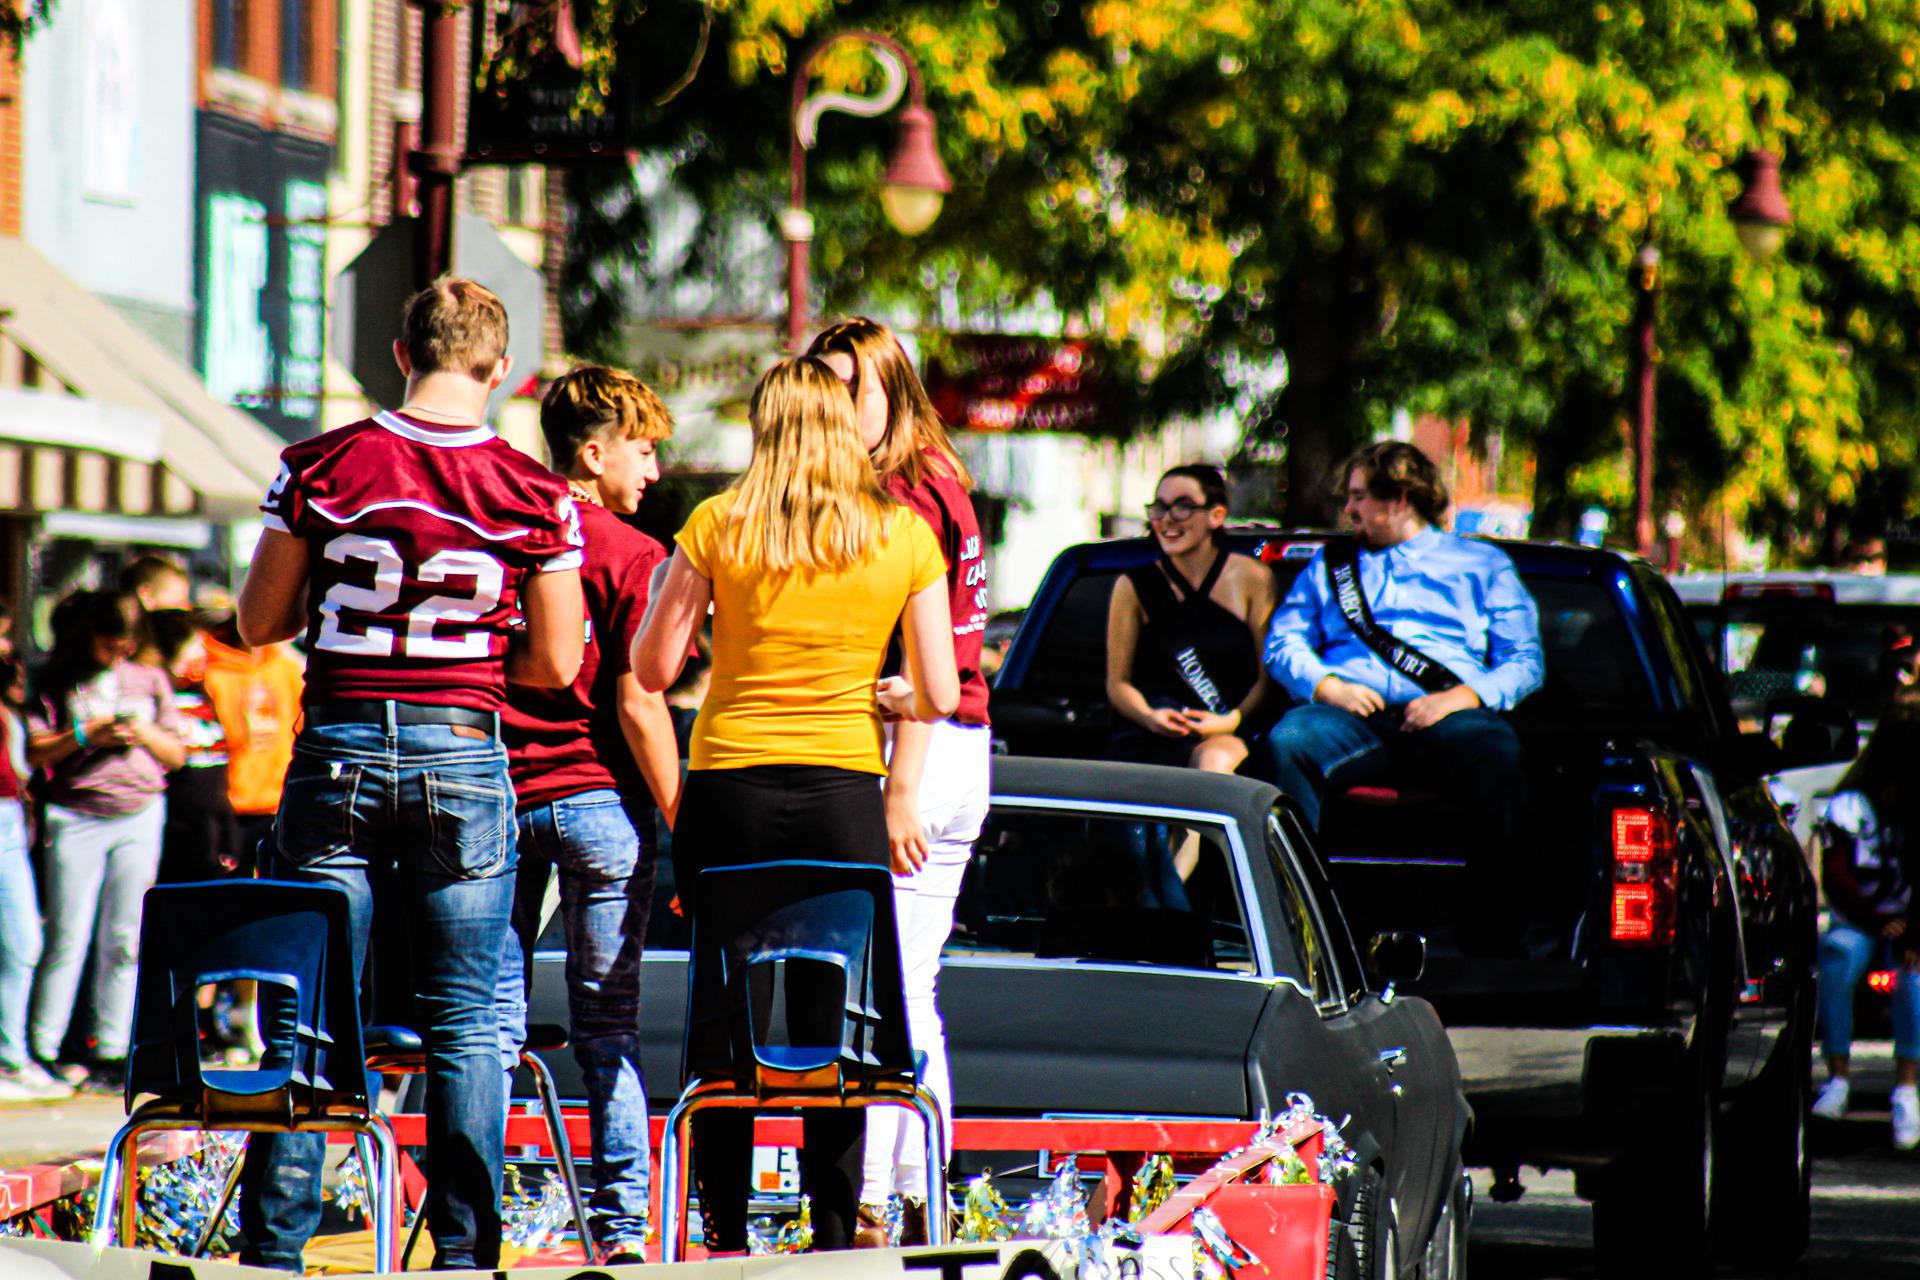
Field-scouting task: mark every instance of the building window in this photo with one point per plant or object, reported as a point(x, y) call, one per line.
point(230, 34)
point(296, 43)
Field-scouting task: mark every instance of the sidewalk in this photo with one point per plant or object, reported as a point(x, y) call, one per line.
point(31, 1132)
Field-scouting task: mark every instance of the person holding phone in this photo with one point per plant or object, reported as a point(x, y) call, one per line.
point(106, 730)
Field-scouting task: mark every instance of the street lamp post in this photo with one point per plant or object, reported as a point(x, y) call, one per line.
point(1761, 217)
point(915, 183)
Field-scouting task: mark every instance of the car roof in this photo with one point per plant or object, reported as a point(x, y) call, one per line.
point(1108, 782)
point(1847, 588)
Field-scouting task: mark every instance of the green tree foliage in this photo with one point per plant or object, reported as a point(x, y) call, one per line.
point(1422, 204)
point(18, 18)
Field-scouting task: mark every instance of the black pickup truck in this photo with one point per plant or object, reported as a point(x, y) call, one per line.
point(1656, 1036)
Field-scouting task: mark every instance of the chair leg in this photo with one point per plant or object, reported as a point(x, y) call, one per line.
point(369, 1176)
point(928, 1107)
point(413, 1236)
point(383, 1196)
point(673, 1170)
point(227, 1191)
point(562, 1151)
point(112, 1225)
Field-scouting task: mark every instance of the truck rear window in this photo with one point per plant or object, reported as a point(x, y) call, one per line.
point(1592, 665)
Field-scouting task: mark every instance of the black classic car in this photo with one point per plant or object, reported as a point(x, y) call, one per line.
point(1087, 977)
point(1654, 1033)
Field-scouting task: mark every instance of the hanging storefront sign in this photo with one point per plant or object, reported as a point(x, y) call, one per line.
point(260, 207)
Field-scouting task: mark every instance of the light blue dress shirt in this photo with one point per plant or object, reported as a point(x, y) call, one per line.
point(1457, 601)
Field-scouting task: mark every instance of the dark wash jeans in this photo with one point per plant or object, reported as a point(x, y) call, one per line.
point(601, 846)
point(428, 815)
point(1473, 755)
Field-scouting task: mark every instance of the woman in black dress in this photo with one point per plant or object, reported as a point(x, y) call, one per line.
point(1184, 636)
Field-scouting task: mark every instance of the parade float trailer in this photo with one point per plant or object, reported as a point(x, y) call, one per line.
point(1263, 1204)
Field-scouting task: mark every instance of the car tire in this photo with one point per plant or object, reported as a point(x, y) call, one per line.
point(1652, 1211)
point(1763, 1198)
point(1446, 1253)
point(1342, 1262)
point(1371, 1226)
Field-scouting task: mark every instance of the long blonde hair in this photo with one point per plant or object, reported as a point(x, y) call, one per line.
point(809, 499)
point(915, 441)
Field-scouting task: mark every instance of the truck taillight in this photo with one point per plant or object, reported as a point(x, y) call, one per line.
point(1643, 877)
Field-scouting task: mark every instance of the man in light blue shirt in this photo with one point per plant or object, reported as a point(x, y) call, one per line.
point(1457, 603)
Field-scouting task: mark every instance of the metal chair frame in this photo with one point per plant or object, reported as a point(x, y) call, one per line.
point(289, 1098)
point(702, 1095)
point(400, 1063)
point(845, 1073)
point(115, 1211)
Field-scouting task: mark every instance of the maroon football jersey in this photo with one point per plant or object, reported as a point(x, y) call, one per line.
point(418, 541)
point(562, 742)
point(944, 504)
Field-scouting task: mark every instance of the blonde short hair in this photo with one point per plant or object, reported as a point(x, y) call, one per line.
point(455, 326)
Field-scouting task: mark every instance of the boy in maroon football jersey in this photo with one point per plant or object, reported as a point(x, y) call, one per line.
point(589, 764)
point(403, 546)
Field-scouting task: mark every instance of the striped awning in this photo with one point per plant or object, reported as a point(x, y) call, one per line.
point(95, 416)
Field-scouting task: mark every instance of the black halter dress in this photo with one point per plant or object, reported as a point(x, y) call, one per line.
point(1192, 653)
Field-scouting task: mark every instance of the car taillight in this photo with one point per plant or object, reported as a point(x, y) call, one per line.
point(1880, 982)
point(1643, 877)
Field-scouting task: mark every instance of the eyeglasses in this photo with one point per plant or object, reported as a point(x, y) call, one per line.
point(1179, 509)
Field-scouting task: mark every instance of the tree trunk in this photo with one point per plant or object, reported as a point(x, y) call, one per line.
point(1331, 323)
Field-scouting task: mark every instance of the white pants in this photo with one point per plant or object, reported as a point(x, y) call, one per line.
point(953, 804)
point(98, 872)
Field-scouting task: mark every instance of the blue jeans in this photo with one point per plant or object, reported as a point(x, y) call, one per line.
point(1845, 956)
point(426, 814)
point(606, 893)
point(19, 933)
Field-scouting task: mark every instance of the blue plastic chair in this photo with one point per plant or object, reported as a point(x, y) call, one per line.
point(820, 921)
point(312, 1075)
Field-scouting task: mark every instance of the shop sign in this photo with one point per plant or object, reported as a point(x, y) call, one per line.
point(1001, 382)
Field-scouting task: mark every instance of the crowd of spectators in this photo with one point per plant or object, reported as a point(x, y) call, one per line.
point(147, 745)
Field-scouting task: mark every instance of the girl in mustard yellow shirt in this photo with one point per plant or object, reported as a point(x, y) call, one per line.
point(809, 568)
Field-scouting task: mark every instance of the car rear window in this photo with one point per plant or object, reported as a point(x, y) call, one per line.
point(1073, 886)
point(1770, 648)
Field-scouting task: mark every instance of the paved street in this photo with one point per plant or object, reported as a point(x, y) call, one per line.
point(1866, 1206)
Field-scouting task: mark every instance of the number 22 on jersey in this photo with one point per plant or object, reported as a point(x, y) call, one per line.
point(434, 626)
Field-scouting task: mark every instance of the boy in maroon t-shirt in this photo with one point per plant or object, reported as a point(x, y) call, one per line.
point(405, 546)
point(590, 763)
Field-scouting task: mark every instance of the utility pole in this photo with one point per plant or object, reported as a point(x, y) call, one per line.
point(1646, 281)
point(436, 161)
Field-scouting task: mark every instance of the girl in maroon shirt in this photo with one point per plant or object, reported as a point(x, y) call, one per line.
point(936, 786)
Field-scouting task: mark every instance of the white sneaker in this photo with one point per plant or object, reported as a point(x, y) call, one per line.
point(13, 1088)
point(1906, 1117)
point(1832, 1102)
point(43, 1082)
